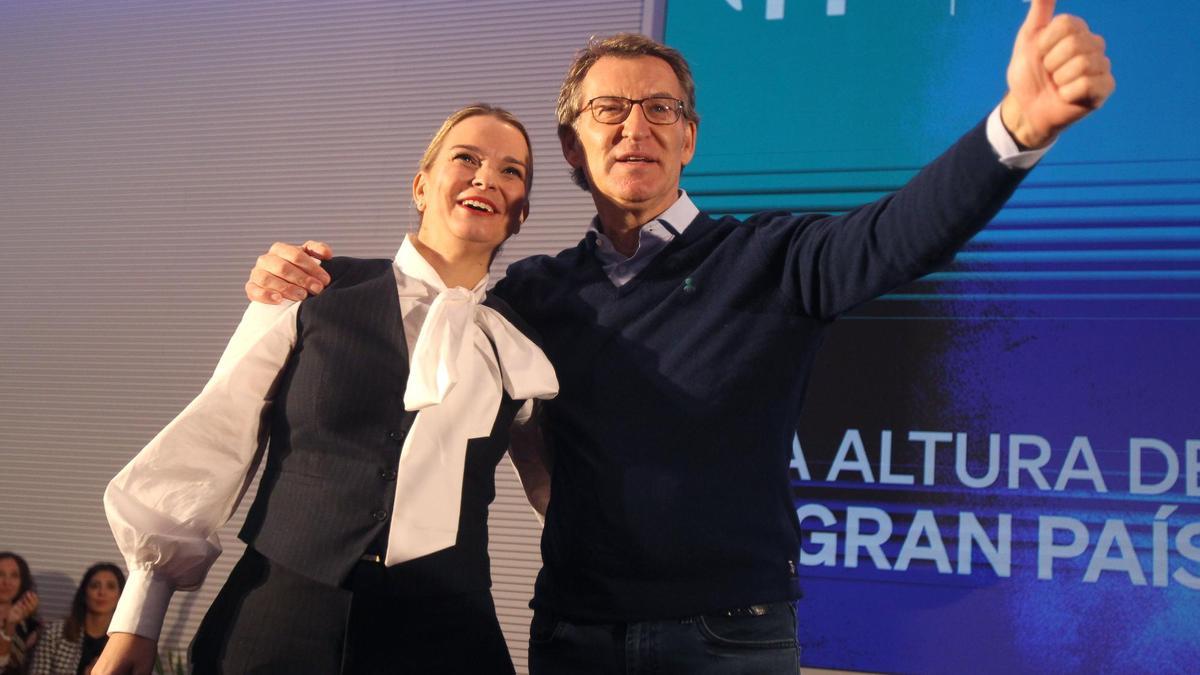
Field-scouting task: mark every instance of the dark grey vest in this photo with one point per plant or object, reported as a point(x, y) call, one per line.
point(337, 426)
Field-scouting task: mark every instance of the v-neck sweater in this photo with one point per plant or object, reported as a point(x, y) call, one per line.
point(681, 389)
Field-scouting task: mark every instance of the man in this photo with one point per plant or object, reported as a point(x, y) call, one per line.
point(683, 346)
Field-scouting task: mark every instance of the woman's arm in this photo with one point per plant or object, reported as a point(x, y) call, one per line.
point(15, 646)
point(126, 654)
point(166, 505)
point(532, 459)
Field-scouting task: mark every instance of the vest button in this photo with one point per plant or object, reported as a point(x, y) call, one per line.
point(387, 474)
point(379, 515)
point(395, 436)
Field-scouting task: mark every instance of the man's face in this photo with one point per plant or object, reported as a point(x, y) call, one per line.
point(633, 164)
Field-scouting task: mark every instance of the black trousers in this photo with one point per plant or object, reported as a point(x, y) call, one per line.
point(269, 620)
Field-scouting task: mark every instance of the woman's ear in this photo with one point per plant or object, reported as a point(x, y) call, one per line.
point(418, 191)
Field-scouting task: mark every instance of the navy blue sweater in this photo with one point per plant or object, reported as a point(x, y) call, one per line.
point(681, 389)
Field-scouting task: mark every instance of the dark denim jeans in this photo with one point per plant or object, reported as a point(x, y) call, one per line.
point(709, 644)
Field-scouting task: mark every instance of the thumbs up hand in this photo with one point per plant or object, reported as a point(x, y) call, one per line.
point(1058, 74)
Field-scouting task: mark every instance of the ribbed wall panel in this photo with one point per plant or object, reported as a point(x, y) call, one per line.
point(149, 151)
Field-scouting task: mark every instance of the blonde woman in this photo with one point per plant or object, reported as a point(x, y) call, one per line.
point(387, 404)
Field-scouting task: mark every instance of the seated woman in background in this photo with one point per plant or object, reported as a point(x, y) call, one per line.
point(18, 614)
point(71, 645)
point(388, 401)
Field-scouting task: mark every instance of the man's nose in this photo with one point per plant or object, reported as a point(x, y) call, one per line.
point(635, 125)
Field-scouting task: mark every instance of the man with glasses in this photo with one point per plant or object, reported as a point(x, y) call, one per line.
point(683, 345)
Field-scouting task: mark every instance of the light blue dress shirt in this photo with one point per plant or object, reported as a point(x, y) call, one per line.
point(652, 238)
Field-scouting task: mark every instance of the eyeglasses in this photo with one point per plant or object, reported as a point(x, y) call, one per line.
point(614, 109)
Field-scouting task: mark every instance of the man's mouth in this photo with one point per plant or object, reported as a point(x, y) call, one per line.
point(636, 158)
point(480, 205)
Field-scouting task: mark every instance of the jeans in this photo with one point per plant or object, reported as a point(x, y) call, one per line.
point(722, 643)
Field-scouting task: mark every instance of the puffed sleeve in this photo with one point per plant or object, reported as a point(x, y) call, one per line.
point(167, 504)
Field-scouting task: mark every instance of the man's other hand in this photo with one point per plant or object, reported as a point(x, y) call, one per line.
point(1058, 74)
point(288, 271)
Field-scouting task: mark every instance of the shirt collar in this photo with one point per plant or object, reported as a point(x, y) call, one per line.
point(417, 278)
point(680, 214)
point(673, 222)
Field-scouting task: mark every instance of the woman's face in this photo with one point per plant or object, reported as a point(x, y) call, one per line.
point(475, 190)
point(102, 593)
point(10, 579)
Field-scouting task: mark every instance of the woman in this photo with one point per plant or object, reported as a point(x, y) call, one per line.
point(18, 614)
point(70, 646)
point(387, 406)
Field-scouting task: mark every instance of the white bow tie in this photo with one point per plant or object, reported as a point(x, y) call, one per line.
point(452, 382)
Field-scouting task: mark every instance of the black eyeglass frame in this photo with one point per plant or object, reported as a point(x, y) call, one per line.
point(676, 106)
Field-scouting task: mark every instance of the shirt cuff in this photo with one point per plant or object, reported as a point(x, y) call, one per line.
point(1006, 148)
point(143, 605)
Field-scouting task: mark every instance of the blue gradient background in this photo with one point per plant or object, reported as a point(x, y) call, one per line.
point(1074, 314)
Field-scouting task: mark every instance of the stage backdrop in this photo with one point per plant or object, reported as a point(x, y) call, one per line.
point(997, 469)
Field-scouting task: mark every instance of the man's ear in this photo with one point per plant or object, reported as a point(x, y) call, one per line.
point(689, 141)
point(569, 140)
